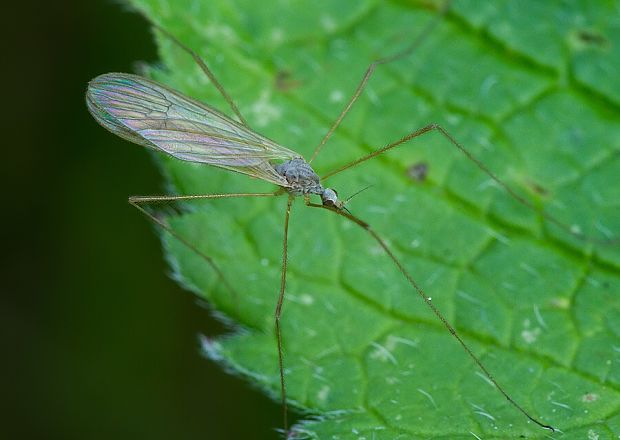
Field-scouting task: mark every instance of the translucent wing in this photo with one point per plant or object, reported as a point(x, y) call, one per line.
point(149, 114)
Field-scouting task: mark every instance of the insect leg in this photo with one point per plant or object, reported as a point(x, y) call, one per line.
point(371, 69)
point(432, 306)
point(278, 312)
point(522, 200)
point(203, 65)
point(139, 201)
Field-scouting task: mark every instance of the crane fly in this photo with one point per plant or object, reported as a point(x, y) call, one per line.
point(153, 115)
point(150, 114)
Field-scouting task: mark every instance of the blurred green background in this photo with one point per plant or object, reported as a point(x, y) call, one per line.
point(99, 343)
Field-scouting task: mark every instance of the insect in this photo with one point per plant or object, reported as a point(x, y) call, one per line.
point(152, 115)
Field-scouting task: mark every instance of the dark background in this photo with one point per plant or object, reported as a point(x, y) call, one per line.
point(98, 342)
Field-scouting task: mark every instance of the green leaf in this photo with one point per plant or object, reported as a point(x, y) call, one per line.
point(530, 88)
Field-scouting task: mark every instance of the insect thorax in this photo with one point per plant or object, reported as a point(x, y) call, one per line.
point(300, 175)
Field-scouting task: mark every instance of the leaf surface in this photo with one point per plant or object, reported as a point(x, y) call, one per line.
point(530, 88)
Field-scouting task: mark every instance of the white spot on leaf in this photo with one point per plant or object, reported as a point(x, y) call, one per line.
point(264, 111)
point(323, 393)
point(530, 334)
point(328, 23)
point(336, 96)
point(382, 353)
point(277, 35)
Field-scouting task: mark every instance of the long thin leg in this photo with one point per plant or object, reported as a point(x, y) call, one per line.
point(206, 70)
point(522, 200)
point(371, 69)
point(138, 201)
point(432, 306)
point(278, 313)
